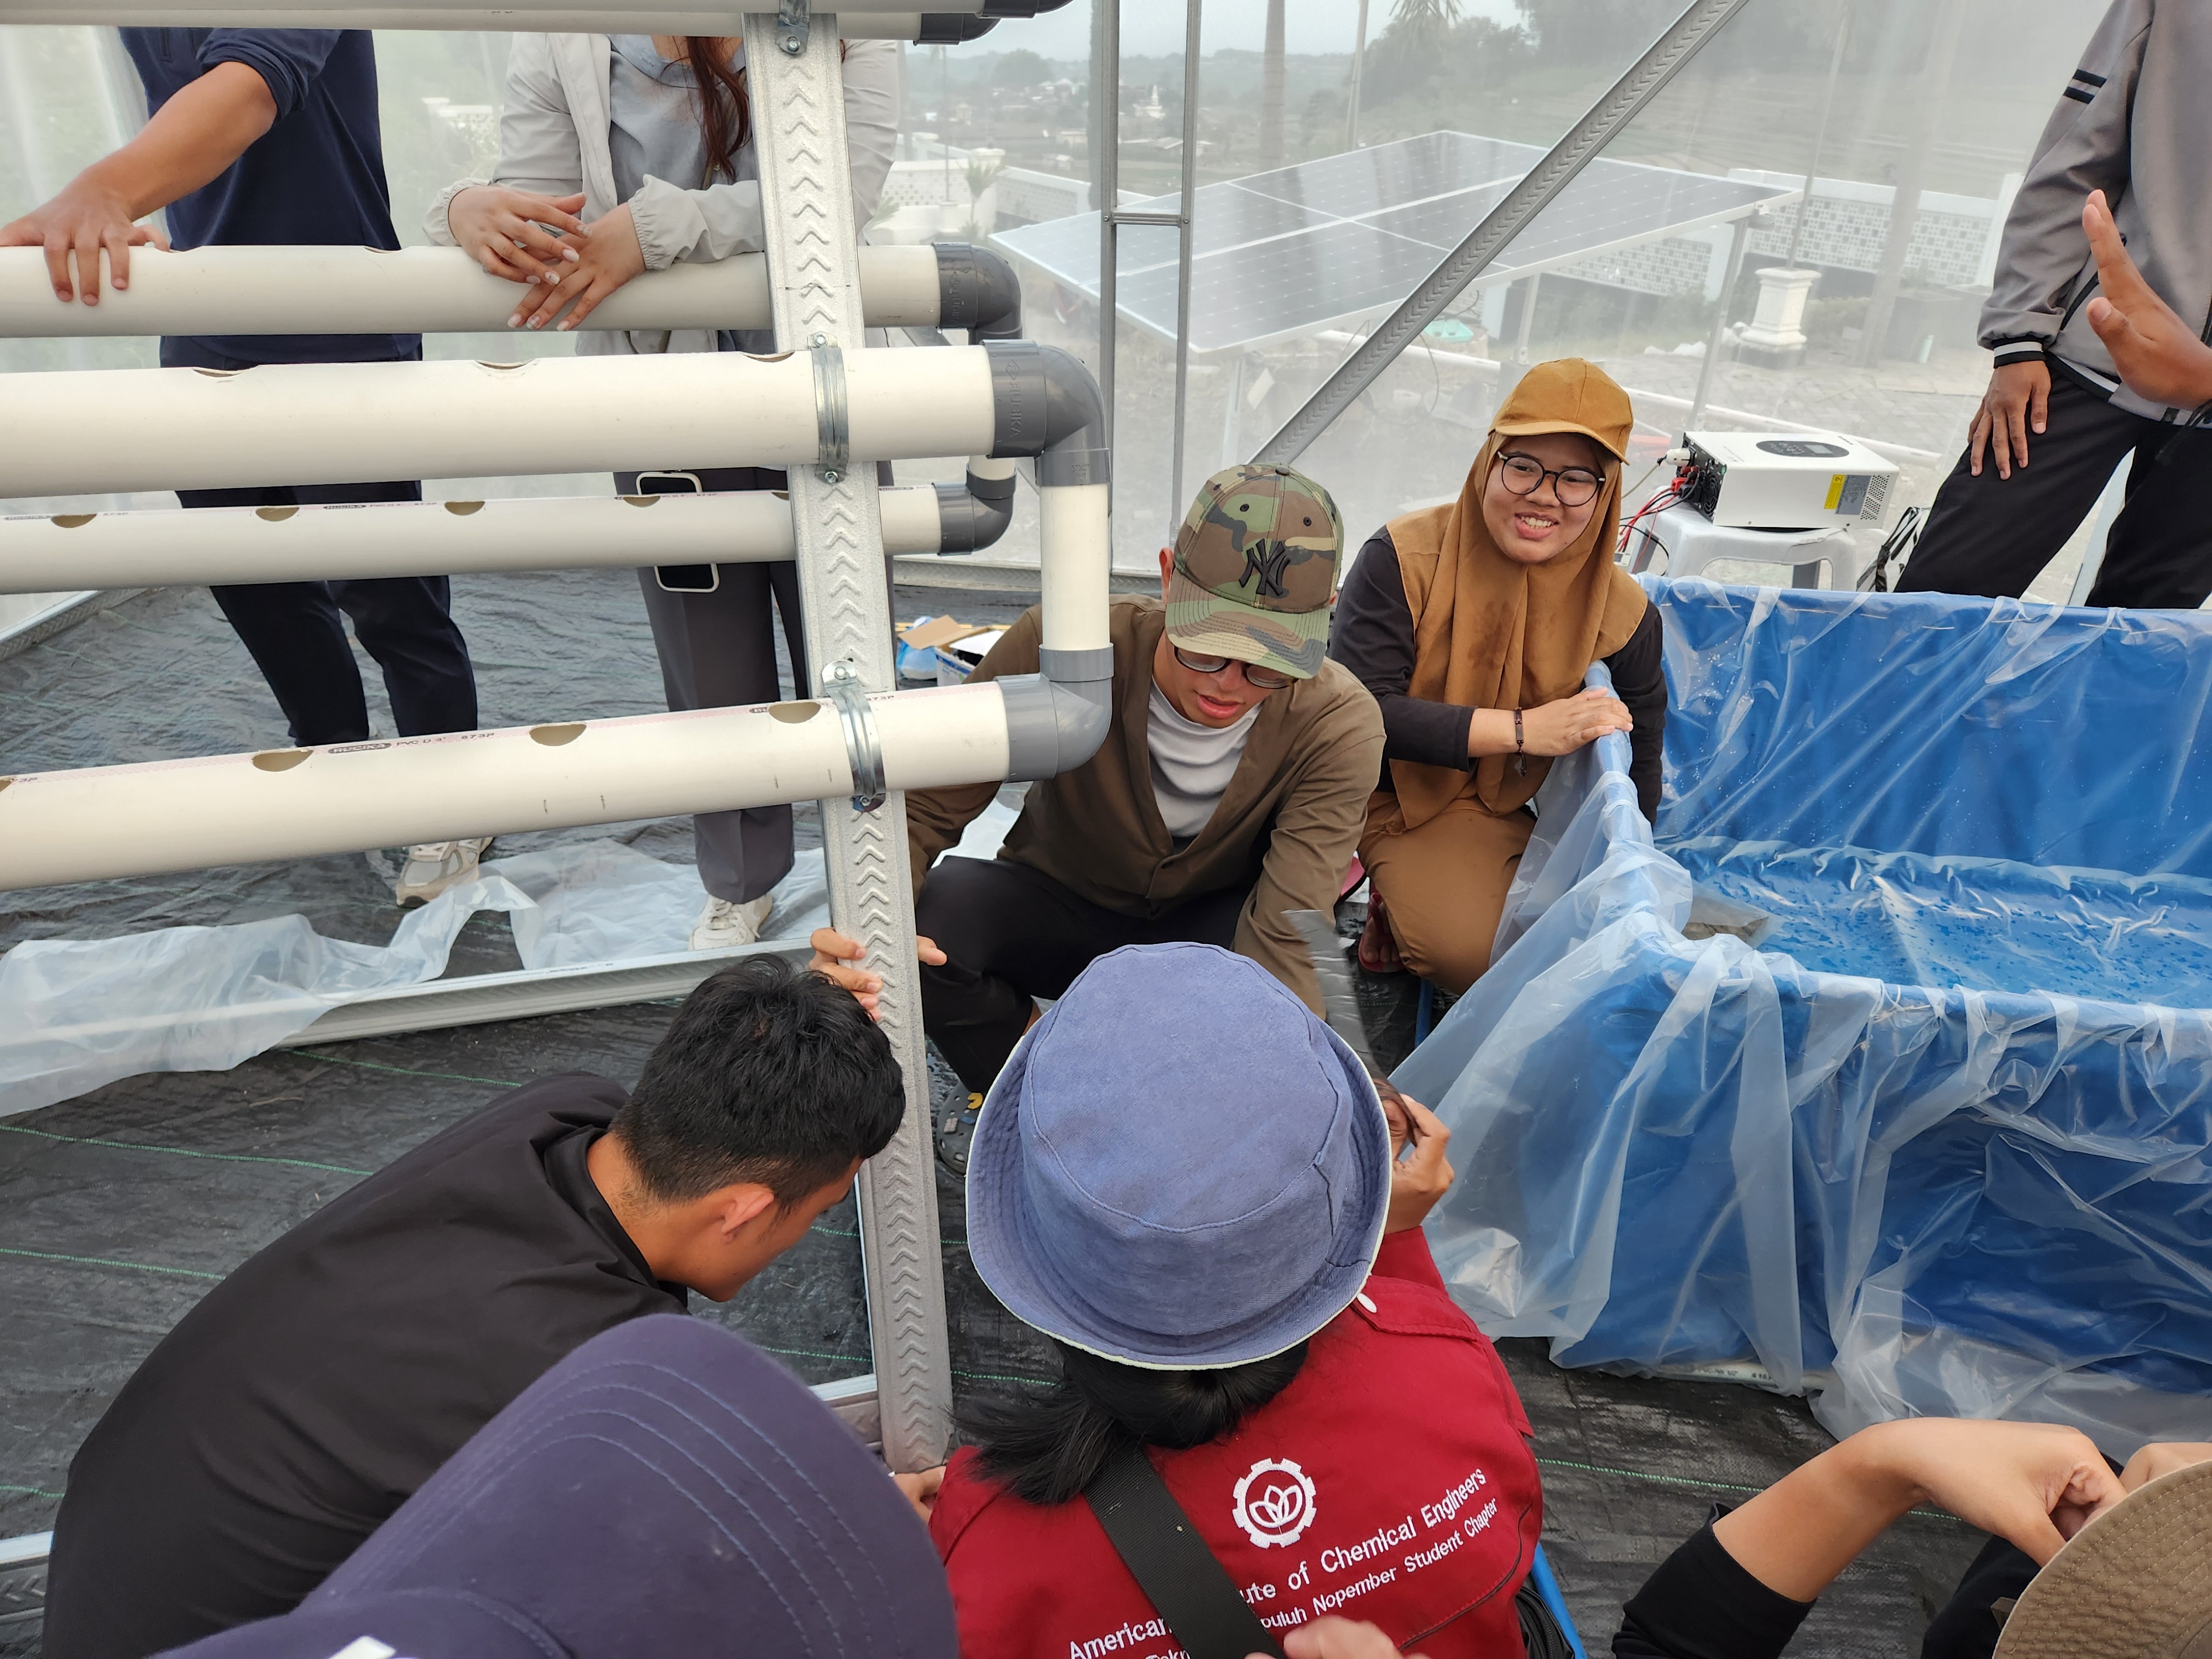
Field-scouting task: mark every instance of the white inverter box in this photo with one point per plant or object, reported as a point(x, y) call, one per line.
point(1785, 481)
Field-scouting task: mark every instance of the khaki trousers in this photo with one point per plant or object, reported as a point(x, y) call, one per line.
point(1444, 884)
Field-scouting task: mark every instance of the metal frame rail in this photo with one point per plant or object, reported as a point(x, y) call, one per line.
point(797, 84)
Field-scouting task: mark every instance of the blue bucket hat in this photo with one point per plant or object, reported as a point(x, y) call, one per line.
point(1180, 1168)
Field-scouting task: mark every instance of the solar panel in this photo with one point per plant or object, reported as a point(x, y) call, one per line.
point(1325, 243)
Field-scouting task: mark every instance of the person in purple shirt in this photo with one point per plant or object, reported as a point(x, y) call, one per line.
point(259, 136)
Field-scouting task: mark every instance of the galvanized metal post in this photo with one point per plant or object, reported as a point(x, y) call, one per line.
point(1106, 87)
point(1188, 235)
point(1739, 235)
point(797, 85)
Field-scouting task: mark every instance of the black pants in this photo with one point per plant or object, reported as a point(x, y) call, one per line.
point(1992, 536)
point(297, 634)
point(718, 651)
point(1011, 934)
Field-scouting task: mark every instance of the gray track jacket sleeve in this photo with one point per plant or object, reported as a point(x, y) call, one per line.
point(2044, 260)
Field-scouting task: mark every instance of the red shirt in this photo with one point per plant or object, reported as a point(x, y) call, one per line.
point(1392, 1481)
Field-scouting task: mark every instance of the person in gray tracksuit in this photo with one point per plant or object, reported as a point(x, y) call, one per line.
point(2135, 122)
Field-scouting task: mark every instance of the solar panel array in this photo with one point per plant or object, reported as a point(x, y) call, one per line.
point(1286, 253)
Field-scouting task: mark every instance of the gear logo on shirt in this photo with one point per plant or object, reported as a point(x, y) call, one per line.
point(1275, 1503)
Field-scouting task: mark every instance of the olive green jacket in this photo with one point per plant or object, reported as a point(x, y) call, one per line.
point(1286, 828)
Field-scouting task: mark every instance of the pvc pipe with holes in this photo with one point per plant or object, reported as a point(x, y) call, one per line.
point(92, 823)
point(167, 547)
point(91, 432)
point(941, 24)
point(417, 290)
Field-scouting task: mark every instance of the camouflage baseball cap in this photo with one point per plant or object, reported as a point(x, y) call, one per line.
point(1255, 569)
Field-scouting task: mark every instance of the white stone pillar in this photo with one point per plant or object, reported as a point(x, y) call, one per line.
point(1775, 337)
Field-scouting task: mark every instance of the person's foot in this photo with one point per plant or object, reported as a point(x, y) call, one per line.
point(956, 1132)
point(432, 867)
point(725, 924)
point(1378, 945)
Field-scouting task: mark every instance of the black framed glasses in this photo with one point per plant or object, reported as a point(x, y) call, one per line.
point(1576, 486)
point(1261, 677)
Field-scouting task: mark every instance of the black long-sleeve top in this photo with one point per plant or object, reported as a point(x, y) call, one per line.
point(1373, 636)
point(1702, 1604)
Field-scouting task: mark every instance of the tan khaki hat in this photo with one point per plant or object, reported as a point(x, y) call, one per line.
point(1568, 394)
point(2134, 1583)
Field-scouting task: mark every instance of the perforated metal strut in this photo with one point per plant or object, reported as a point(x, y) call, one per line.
point(806, 201)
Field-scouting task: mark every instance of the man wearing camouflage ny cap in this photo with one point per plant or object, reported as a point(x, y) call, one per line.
point(1230, 788)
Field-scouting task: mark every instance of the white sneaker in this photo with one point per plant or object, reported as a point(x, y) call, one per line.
point(725, 924)
point(434, 866)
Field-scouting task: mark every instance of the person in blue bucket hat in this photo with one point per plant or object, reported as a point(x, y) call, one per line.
point(1190, 1184)
point(667, 1489)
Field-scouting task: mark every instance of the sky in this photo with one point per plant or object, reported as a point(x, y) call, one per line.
point(1154, 27)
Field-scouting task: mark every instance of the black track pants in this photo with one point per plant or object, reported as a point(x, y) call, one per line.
point(1010, 934)
point(1992, 536)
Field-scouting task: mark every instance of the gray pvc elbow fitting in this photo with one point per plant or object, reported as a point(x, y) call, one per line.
point(1055, 726)
point(1046, 405)
point(978, 291)
point(973, 516)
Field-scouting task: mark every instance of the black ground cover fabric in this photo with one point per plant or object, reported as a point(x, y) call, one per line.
point(118, 1209)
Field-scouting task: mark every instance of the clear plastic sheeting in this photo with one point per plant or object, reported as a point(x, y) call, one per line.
point(1885, 1071)
point(82, 1012)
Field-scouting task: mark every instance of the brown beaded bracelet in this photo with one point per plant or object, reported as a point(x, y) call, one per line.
point(1517, 732)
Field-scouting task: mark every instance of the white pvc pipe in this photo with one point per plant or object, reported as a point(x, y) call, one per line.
point(90, 432)
point(596, 16)
point(164, 547)
point(108, 821)
point(417, 290)
point(1077, 565)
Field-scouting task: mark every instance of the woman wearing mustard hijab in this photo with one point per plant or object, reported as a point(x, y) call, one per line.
point(1473, 624)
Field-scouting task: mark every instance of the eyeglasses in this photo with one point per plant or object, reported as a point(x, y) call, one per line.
point(1260, 677)
point(1576, 486)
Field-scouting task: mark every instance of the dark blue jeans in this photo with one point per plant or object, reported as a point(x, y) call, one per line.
point(297, 634)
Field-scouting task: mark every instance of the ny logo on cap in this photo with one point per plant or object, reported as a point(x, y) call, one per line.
point(1269, 562)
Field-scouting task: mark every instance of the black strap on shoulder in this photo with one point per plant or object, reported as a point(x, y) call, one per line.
point(1174, 1566)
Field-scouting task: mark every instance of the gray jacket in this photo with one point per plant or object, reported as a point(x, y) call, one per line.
point(553, 141)
point(2135, 122)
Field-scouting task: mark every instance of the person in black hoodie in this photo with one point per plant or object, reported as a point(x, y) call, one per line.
point(299, 1405)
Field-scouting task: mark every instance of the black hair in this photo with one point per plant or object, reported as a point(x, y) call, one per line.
point(1048, 1446)
point(768, 1074)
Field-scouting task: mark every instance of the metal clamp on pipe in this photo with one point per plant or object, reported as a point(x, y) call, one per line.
point(793, 25)
point(833, 417)
point(864, 746)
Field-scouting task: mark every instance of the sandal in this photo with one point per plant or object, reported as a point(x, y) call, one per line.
point(1378, 946)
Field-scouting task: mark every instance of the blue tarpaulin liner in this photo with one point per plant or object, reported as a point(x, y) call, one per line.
point(1885, 1070)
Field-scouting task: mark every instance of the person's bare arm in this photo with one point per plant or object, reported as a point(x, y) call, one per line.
point(192, 138)
point(2035, 1484)
point(2157, 354)
point(1553, 728)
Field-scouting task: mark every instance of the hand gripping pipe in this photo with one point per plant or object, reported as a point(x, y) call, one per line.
point(88, 824)
point(163, 547)
point(441, 290)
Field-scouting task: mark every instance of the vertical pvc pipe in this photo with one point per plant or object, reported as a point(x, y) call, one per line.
point(1077, 563)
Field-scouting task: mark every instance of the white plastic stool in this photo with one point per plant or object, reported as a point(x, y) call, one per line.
point(1690, 540)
